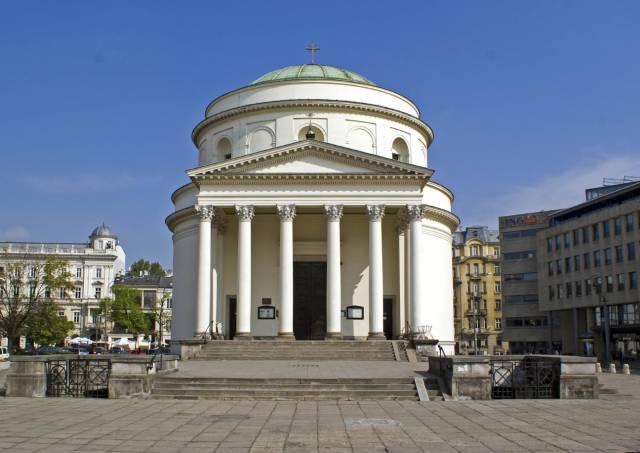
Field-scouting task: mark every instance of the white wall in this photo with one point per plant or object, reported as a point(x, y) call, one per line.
point(185, 283)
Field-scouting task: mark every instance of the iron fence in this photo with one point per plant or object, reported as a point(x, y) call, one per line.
point(78, 378)
point(533, 379)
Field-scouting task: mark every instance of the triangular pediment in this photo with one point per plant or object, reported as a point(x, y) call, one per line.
point(310, 158)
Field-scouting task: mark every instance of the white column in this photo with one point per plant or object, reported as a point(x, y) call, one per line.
point(206, 214)
point(286, 213)
point(245, 216)
point(214, 274)
point(376, 296)
point(400, 230)
point(334, 288)
point(417, 302)
point(220, 308)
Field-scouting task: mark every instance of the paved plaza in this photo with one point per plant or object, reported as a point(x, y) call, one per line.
point(56, 425)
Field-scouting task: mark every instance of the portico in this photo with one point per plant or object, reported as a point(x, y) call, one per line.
point(403, 217)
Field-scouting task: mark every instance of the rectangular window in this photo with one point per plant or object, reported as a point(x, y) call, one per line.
point(567, 240)
point(550, 268)
point(629, 222)
point(617, 226)
point(79, 272)
point(551, 292)
point(586, 258)
point(78, 292)
point(557, 242)
point(475, 250)
point(633, 280)
point(527, 254)
point(576, 263)
point(558, 267)
point(596, 258)
point(525, 276)
point(62, 293)
point(567, 265)
point(576, 237)
point(61, 314)
point(578, 289)
point(609, 281)
point(569, 289)
point(498, 305)
point(598, 285)
point(595, 230)
point(606, 229)
point(585, 235)
point(98, 293)
point(549, 245)
point(498, 287)
point(620, 281)
point(607, 256)
point(498, 323)
point(76, 317)
point(560, 291)
point(631, 251)
point(475, 270)
point(496, 269)
point(587, 287)
point(619, 254)
point(98, 272)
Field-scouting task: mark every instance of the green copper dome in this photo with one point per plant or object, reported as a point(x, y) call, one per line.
point(312, 72)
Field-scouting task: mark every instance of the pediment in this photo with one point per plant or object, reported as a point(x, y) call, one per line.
point(309, 158)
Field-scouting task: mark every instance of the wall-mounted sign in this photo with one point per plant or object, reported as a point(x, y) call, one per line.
point(355, 312)
point(266, 312)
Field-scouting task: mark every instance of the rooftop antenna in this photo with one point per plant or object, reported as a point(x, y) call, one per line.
point(312, 50)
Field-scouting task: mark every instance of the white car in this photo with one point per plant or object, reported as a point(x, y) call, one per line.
point(4, 353)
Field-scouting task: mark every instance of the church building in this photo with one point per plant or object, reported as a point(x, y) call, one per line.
point(311, 215)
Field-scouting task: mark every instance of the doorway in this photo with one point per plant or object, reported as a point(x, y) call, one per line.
point(309, 300)
point(387, 317)
point(232, 317)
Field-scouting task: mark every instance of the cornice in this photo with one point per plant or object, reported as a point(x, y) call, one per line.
point(309, 178)
point(436, 185)
point(442, 216)
point(314, 104)
point(178, 216)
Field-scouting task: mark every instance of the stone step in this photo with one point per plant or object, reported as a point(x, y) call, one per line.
point(285, 387)
point(276, 397)
point(287, 381)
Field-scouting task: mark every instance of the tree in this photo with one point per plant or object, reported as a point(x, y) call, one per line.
point(144, 267)
point(46, 327)
point(125, 311)
point(161, 315)
point(24, 286)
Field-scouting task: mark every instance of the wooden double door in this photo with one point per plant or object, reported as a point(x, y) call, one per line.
point(309, 300)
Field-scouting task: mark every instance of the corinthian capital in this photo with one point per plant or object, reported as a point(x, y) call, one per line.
point(205, 212)
point(286, 212)
point(246, 212)
point(415, 212)
point(376, 212)
point(333, 212)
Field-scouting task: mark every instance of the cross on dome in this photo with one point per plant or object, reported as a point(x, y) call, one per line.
point(312, 50)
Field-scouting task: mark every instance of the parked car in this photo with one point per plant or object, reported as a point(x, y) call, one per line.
point(161, 350)
point(80, 350)
point(4, 353)
point(99, 350)
point(117, 350)
point(44, 350)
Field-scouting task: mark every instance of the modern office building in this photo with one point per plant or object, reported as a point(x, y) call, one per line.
point(525, 326)
point(588, 260)
point(477, 292)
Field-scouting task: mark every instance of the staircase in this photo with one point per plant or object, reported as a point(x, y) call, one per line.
point(193, 388)
point(298, 350)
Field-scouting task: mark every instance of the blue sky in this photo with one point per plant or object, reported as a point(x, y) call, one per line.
point(530, 101)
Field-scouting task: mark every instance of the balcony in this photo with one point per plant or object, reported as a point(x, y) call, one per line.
point(478, 312)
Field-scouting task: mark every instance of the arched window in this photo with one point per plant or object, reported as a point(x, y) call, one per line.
point(360, 139)
point(224, 148)
point(302, 135)
point(400, 150)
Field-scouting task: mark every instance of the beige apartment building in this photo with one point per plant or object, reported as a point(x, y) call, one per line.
point(588, 270)
point(477, 292)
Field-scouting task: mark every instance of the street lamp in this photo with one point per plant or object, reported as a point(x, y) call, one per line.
point(604, 316)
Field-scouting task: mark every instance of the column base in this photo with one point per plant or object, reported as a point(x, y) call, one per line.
point(333, 336)
point(376, 336)
point(285, 336)
point(243, 336)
